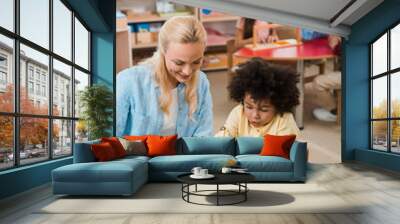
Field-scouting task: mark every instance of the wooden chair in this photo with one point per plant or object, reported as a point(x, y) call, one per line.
point(231, 48)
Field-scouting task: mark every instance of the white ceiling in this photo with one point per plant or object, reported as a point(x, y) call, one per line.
point(321, 9)
point(313, 14)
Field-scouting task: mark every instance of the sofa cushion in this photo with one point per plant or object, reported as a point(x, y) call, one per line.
point(103, 152)
point(83, 152)
point(206, 145)
point(142, 138)
point(131, 158)
point(249, 145)
point(277, 145)
point(257, 163)
point(161, 145)
point(116, 145)
point(185, 163)
point(136, 147)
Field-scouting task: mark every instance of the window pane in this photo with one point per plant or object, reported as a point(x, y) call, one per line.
point(81, 45)
point(81, 81)
point(7, 14)
point(35, 21)
point(395, 94)
point(379, 98)
point(395, 47)
point(6, 142)
point(62, 29)
point(33, 139)
point(395, 138)
point(62, 89)
point(62, 133)
point(6, 74)
point(379, 135)
point(34, 78)
point(81, 131)
point(379, 55)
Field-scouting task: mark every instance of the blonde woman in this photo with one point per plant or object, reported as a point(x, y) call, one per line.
point(168, 94)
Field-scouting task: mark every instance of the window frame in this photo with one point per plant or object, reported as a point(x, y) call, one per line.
point(16, 115)
point(388, 74)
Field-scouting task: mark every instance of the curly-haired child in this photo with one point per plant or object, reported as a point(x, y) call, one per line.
point(267, 93)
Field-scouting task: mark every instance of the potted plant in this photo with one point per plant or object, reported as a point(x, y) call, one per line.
point(96, 103)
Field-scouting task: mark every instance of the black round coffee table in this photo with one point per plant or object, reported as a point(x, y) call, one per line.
point(238, 179)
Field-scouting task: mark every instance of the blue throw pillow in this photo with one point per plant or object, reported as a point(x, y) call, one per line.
point(249, 145)
point(206, 145)
point(83, 153)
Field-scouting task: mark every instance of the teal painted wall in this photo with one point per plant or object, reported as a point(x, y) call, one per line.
point(355, 126)
point(24, 178)
point(99, 16)
point(103, 62)
point(379, 159)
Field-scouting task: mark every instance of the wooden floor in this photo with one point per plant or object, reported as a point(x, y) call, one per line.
point(378, 189)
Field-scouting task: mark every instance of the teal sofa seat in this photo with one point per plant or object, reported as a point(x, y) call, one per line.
point(167, 168)
point(257, 163)
point(125, 176)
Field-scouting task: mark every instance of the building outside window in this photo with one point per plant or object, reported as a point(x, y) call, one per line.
point(3, 61)
point(43, 90)
point(385, 94)
point(44, 77)
point(30, 87)
point(3, 71)
point(3, 78)
point(30, 72)
point(38, 89)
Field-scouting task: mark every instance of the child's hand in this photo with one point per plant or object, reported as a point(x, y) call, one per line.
point(333, 41)
point(272, 38)
point(263, 35)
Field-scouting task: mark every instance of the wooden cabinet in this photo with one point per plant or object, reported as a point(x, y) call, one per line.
point(123, 46)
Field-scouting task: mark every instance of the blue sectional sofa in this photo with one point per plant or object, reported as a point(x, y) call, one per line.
point(125, 176)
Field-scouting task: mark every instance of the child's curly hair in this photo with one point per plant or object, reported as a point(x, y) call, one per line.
point(263, 80)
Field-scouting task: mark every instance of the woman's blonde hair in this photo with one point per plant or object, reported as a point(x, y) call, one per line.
point(178, 29)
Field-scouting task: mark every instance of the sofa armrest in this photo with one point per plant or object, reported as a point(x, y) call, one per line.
point(83, 152)
point(298, 155)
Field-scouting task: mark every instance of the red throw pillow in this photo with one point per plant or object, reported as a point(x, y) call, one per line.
point(161, 145)
point(277, 145)
point(103, 152)
point(116, 145)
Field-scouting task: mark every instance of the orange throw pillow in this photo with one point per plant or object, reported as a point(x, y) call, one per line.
point(116, 145)
point(277, 145)
point(103, 152)
point(161, 145)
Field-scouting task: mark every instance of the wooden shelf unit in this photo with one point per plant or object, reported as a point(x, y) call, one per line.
point(213, 42)
point(144, 46)
point(219, 18)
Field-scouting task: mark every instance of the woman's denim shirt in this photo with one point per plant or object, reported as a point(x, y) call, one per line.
point(139, 112)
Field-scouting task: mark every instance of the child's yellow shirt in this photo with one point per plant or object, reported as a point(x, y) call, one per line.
point(237, 125)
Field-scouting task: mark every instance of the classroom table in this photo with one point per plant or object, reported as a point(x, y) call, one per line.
point(307, 51)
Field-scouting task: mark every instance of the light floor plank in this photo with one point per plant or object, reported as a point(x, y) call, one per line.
point(376, 190)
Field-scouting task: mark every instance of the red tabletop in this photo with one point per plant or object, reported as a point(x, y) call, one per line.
point(309, 50)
